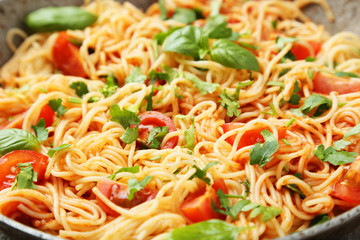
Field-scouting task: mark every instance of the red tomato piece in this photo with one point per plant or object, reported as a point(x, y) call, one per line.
point(198, 209)
point(151, 119)
point(325, 83)
point(10, 161)
point(220, 184)
point(300, 52)
point(250, 137)
point(347, 193)
point(48, 115)
point(16, 122)
point(118, 193)
point(66, 57)
point(316, 46)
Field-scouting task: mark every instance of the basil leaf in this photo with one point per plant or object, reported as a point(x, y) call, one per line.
point(110, 87)
point(269, 213)
point(215, 27)
point(346, 74)
point(230, 103)
point(295, 98)
point(134, 185)
point(201, 174)
point(153, 75)
point(26, 177)
point(80, 88)
point(51, 19)
point(17, 139)
point(333, 155)
point(56, 106)
point(215, 7)
point(190, 41)
point(136, 76)
point(207, 230)
point(319, 219)
point(189, 135)
point(160, 37)
point(130, 135)
point(52, 151)
point(41, 132)
point(315, 101)
point(281, 41)
point(353, 131)
point(232, 55)
point(163, 10)
point(262, 154)
point(296, 189)
point(149, 99)
point(204, 87)
point(134, 169)
point(124, 117)
point(156, 135)
point(184, 15)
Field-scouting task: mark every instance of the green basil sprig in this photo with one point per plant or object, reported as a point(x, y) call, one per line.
point(17, 139)
point(210, 230)
point(232, 55)
point(51, 19)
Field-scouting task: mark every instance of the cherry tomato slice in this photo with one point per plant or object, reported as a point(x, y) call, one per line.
point(251, 136)
point(16, 122)
point(300, 52)
point(220, 184)
point(118, 193)
point(200, 208)
point(10, 161)
point(66, 57)
point(347, 193)
point(48, 115)
point(152, 119)
point(326, 83)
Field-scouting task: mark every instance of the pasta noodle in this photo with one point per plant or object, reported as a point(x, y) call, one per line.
point(66, 202)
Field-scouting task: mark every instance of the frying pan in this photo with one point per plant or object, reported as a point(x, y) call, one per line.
point(347, 13)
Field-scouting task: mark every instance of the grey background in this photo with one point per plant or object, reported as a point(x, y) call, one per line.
point(347, 18)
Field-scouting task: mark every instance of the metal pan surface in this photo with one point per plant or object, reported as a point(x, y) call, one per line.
point(347, 14)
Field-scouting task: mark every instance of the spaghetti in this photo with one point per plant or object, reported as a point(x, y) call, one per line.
point(268, 156)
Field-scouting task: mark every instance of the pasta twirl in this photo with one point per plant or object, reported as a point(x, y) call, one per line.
point(271, 136)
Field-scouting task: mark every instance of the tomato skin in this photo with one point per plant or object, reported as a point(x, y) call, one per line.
point(300, 52)
point(347, 193)
point(220, 184)
point(66, 57)
point(200, 209)
point(325, 83)
point(197, 206)
point(10, 161)
point(16, 122)
point(250, 137)
point(118, 193)
point(48, 115)
point(151, 119)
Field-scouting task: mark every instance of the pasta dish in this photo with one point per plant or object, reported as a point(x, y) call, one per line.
point(201, 119)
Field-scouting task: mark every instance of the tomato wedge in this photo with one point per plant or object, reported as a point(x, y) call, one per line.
point(301, 52)
point(118, 193)
point(325, 83)
point(347, 193)
point(10, 161)
point(250, 137)
point(48, 115)
point(16, 122)
point(197, 207)
point(66, 57)
point(151, 119)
